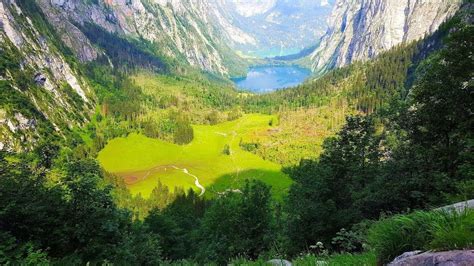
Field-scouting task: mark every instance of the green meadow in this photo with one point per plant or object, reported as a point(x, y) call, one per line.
point(143, 161)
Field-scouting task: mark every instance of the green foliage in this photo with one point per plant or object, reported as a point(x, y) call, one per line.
point(227, 150)
point(9, 60)
point(347, 241)
point(184, 132)
point(11, 101)
point(177, 224)
point(213, 117)
point(237, 224)
point(419, 155)
point(234, 114)
point(74, 219)
point(445, 89)
point(438, 230)
point(456, 232)
point(328, 195)
point(35, 258)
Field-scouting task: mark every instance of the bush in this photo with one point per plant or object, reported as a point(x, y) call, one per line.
point(234, 114)
point(347, 241)
point(213, 117)
point(184, 134)
point(227, 150)
point(421, 231)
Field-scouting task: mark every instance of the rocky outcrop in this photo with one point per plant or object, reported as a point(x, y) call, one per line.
point(68, 32)
point(41, 89)
point(446, 258)
point(361, 29)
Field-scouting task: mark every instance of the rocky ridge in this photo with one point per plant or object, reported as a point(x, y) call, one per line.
point(183, 30)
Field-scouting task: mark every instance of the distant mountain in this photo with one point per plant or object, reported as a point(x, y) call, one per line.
point(360, 30)
point(274, 27)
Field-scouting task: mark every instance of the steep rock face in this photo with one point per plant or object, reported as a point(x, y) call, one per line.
point(68, 32)
point(361, 29)
point(40, 90)
point(182, 29)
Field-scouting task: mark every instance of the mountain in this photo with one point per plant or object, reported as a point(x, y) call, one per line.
point(273, 27)
point(360, 30)
point(181, 30)
point(45, 45)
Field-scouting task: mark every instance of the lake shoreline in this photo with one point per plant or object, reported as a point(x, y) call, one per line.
point(271, 77)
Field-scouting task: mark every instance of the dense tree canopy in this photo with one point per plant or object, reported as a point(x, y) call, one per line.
point(417, 155)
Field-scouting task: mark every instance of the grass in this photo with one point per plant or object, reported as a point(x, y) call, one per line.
point(435, 230)
point(363, 259)
point(143, 161)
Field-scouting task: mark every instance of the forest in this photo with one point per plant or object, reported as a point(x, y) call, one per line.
point(396, 142)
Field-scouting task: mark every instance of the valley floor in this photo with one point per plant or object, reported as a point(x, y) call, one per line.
point(142, 161)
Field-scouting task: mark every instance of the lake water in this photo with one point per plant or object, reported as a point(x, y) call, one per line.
point(263, 79)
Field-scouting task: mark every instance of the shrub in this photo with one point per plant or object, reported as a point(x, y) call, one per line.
point(347, 241)
point(184, 134)
point(421, 230)
point(234, 114)
point(213, 117)
point(227, 150)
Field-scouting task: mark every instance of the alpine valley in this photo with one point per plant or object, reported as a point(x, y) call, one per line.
point(241, 132)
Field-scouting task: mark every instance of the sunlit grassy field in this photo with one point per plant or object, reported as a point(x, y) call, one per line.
point(143, 161)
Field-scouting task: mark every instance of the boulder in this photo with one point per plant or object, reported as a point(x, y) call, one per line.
point(459, 207)
point(279, 262)
point(445, 258)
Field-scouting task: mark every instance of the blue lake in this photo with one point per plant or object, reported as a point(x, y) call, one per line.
point(263, 79)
